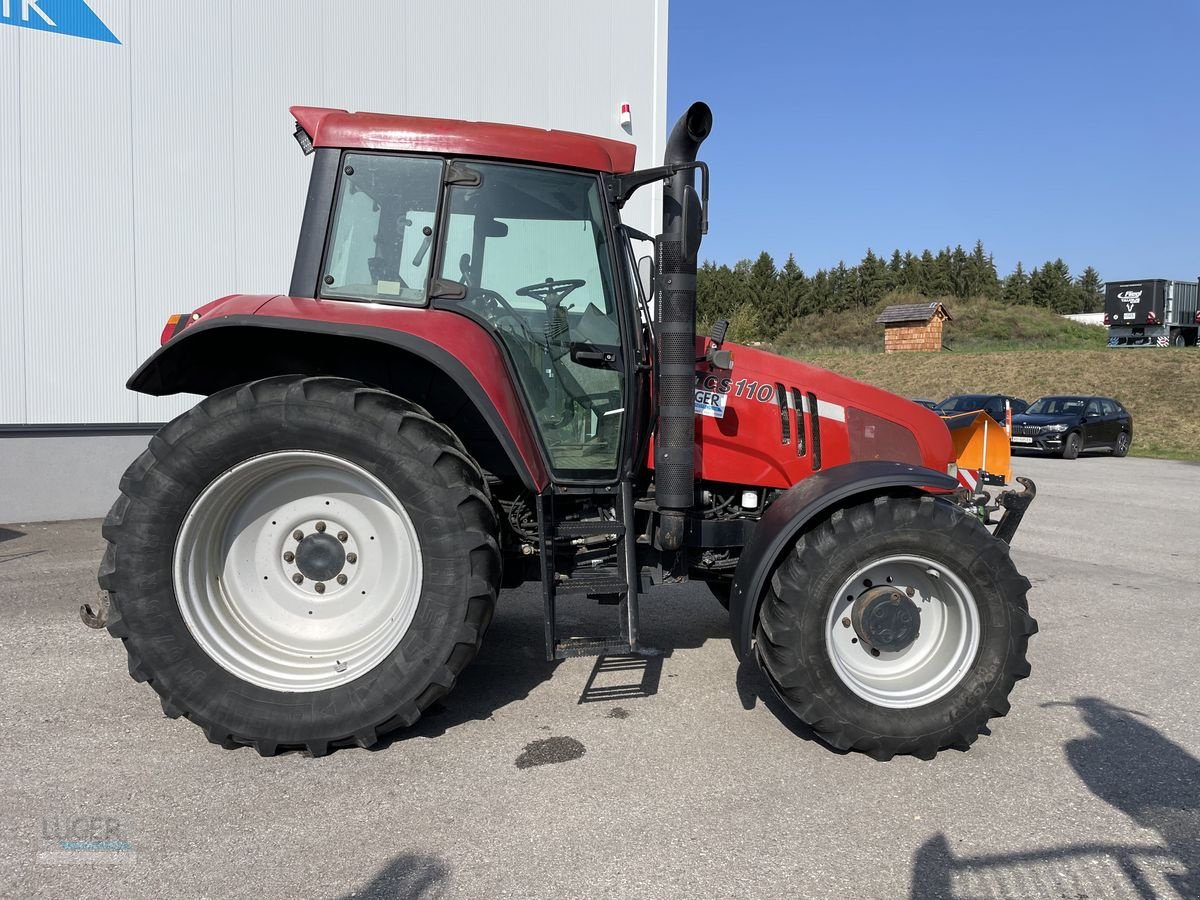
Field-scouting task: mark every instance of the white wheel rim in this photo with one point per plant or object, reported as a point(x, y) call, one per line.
point(935, 662)
point(238, 592)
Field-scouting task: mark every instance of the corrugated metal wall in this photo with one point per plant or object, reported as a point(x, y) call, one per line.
point(149, 177)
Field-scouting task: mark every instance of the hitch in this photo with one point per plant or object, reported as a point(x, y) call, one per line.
point(1014, 504)
point(95, 616)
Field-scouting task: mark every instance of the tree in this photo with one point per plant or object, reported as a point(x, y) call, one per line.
point(1016, 287)
point(1090, 290)
point(870, 280)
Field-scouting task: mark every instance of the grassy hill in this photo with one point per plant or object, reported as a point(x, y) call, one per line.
point(1160, 387)
point(977, 324)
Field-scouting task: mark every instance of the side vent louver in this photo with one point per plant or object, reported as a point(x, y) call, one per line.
point(815, 418)
point(801, 436)
point(785, 414)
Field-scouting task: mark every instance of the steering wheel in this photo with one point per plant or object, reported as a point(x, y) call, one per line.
point(551, 291)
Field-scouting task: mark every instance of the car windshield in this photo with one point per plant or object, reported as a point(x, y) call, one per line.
point(1057, 406)
point(964, 403)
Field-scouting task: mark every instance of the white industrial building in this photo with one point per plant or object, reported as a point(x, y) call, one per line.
point(151, 171)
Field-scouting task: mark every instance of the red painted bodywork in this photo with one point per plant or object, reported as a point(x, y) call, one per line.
point(450, 137)
point(745, 446)
point(459, 336)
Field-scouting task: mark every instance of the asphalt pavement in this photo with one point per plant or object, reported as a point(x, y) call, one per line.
point(671, 776)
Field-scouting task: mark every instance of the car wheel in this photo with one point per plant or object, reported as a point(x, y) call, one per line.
point(1121, 447)
point(1072, 445)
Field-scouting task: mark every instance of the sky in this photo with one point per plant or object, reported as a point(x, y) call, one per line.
point(1048, 129)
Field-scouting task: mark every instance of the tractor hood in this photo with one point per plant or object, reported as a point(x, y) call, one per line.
point(771, 421)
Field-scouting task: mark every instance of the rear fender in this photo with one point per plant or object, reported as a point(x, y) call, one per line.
point(806, 503)
point(453, 368)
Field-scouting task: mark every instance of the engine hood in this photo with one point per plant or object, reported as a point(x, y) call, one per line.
point(771, 421)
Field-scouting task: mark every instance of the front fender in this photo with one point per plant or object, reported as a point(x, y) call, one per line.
point(792, 512)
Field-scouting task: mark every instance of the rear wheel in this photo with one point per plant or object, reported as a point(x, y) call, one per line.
point(301, 563)
point(896, 626)
point(1072, 444)
point(1121, 447)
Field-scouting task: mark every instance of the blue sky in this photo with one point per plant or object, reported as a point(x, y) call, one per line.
point(1053, 128)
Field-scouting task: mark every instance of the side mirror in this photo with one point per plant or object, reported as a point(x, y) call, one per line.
point(645, 272)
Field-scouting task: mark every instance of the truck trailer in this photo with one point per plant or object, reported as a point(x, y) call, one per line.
point(1151, 312)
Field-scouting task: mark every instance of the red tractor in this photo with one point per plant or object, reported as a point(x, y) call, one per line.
point(465, 387)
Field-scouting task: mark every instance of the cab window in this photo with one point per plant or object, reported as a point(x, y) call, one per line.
point(383, 229)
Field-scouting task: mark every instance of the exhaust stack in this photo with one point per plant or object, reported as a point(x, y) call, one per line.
point(675, 328)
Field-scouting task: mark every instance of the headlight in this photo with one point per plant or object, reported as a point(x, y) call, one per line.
point(1055, 427)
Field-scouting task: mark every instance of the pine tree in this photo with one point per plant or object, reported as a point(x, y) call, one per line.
point(1090, 291)
point(1016, 287)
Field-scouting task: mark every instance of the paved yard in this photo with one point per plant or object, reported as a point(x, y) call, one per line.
point(677, 777)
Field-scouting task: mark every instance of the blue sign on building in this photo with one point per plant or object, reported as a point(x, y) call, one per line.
point(69, 17)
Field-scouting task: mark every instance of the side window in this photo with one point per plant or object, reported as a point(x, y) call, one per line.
point(1110, 408)
point(383, 228)
point(1093, 408)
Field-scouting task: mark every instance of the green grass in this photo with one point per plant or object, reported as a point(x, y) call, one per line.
point(1160, 387)
point(978, 325)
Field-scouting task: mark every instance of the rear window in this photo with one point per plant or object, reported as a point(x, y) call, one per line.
point(383, 228)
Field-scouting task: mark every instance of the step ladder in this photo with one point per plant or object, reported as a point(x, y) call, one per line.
point(620, 581)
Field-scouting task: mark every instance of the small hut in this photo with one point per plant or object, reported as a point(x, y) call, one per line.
point(913, 327)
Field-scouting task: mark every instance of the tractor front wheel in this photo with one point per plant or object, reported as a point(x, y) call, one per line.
point(897, 626)
point(301, 563)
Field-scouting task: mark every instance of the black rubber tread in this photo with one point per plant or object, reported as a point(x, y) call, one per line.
point(394, 439)
point(1117, 450)
point(791, 645)
point(1072, 445)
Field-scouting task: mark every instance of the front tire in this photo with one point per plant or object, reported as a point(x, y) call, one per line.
point(1072, 444)
point(301, 563)
point(950, 581)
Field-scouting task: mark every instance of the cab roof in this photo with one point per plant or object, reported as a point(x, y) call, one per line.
point(417, 134)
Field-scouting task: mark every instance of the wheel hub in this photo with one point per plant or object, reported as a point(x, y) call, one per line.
point(884, 618)
point(320, 557)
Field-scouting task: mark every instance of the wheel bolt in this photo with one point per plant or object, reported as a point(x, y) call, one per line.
point(319, 587)
point(341, 579)
point(351, 558)
point(343, 537)
point(298, 578)
point(289, 556)
point(298, 534)
point(320, 526)
point(909, 591)
point(845, 621)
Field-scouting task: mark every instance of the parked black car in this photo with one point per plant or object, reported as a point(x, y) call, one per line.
point(1069, 425)
point(921, 401)
point(992, 404)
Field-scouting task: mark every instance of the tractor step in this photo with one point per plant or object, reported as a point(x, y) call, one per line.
point(587, 529)
point(617, 582)
point(586, 646)
point(593, 583)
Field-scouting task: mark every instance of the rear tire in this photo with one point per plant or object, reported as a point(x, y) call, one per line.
point(1072, 444)
point(1121, 447)
point(938, 691)
point(203, 560)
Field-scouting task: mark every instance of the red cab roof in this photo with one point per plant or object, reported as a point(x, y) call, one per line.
point(416, 134)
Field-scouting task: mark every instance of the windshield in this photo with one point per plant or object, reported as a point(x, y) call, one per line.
point(1057, 406)
point(964, 403)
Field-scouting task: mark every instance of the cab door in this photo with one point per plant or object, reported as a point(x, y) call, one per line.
point(528, 251)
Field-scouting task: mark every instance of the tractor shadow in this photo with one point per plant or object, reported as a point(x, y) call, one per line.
point(405, 877)
point(511, 663)
point(9, 534)
point(1128, 764)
